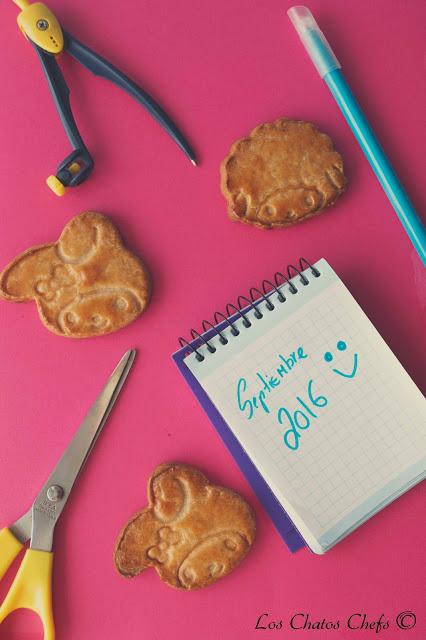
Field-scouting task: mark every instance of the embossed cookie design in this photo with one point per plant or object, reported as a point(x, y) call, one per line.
point(192, 532)
point(281, 174)
point(85, 284)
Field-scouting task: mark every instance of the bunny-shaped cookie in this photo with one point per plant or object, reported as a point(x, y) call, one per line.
point(280, 174)
point(193, 532)
point(85, 284)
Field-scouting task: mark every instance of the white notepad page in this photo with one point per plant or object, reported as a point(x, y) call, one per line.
point(340, 428)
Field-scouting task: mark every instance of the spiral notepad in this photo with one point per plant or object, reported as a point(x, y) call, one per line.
point(319, 414)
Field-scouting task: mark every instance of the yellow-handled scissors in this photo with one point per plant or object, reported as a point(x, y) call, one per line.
point(32, 587)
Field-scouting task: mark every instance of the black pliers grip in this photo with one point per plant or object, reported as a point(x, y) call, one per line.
point(78, 165)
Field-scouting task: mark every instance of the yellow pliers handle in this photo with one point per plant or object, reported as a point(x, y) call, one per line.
point(32, 586)
point(38, 23)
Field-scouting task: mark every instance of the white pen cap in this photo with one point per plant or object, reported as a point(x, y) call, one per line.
point(314, 40)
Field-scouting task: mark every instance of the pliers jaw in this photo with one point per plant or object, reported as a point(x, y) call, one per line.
point(71, 172)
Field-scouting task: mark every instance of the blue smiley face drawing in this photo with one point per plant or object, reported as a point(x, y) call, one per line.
point(341, 346)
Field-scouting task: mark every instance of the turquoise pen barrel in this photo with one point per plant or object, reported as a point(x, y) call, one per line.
point(378, 160)
point(328, 68)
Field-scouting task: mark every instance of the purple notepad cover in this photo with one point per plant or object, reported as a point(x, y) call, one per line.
point(279, 517)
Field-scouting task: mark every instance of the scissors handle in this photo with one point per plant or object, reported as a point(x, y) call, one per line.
point(32, 589)
point(9, 549)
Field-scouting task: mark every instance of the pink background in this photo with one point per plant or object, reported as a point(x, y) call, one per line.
point(220, 69)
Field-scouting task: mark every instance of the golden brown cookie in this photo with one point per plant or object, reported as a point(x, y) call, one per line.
point(85, 284)
point(281, 174)
point(193, 532)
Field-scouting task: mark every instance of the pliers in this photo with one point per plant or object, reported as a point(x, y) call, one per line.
point(43, 30)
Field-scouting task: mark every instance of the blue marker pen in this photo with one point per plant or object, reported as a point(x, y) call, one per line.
point(329, 69)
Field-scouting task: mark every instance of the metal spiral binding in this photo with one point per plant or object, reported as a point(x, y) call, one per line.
point(255, 295)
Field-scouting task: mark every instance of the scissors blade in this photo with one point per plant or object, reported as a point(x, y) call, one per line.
point(51, 500)
point(21, 529)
